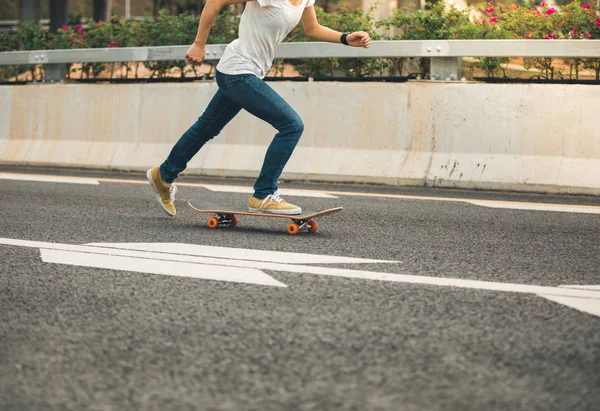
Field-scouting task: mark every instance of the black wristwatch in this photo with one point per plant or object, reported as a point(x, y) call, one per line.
point(343, 38)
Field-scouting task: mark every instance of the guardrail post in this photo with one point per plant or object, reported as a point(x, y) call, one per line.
point(445, 68)
point(55, 73)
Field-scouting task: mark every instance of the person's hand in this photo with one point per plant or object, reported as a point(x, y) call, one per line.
point(195, 54)
point(359, 39)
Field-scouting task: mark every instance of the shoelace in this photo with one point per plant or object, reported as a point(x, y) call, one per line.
point(172, 192)
point(273, 197)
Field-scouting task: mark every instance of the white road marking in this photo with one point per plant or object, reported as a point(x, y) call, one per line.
point(284, 191)
point(150, 266)
point(48, 178)
point(589, 306)
point(239, 253)
point(231, 269)
point(570, 208)
point(212, 187)
point(564, 208)
point(583, 287)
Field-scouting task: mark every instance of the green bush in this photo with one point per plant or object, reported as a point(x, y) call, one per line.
point(574, 21)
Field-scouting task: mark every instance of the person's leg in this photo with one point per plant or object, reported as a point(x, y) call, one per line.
point(219, 112)
point(259, 99)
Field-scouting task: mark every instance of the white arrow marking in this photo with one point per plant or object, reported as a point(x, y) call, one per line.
point(586, 305)
point(108, 256)
point(48, 179)
point(144, 265)
point(583, 287)
point(238, 253)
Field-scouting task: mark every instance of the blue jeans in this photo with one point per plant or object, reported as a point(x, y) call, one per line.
point(236, 92)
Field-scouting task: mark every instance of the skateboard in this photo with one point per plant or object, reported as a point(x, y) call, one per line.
point(228, 216)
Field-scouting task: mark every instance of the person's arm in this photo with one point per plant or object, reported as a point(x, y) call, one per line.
point(315, 31)
point(211, 9)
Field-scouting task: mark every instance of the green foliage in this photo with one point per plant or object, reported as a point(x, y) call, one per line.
point(343, 20)
point(576, 20)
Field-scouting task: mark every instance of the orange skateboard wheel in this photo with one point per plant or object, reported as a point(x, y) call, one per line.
point(312, 226)
point(234, 221)
point(213, 222)
point(293, 228)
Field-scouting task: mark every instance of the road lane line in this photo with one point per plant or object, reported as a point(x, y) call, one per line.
point(564, 208)
point(517, 205)
point(48, 178)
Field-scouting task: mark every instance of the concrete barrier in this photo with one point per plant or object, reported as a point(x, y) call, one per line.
point(539, 138)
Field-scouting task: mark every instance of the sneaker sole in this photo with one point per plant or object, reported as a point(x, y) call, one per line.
point(158, 199)
point(295, 211)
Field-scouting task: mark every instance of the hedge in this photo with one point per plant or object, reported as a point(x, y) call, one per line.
point(577, 21)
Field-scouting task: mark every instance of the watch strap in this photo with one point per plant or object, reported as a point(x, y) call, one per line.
point(343, 38)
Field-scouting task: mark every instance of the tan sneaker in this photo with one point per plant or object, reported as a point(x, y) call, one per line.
point(272, 204)
point(165, 193)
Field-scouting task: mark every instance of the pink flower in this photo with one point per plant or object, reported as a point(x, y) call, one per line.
point(491, 3)
point(543, 4)
point(514, 7)
point(78, 28)
point(550, 37)
point(574, 33)
point(528, 37)
point(65, 28)
point(100, 21)
point(113, 44)
point(588, 35)
point(489, 9)
point(494, 20)
point(551, 11)
point(586, 6)
point(598, 23)
point(536, 11)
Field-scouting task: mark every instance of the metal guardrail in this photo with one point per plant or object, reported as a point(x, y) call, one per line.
point(445, 54)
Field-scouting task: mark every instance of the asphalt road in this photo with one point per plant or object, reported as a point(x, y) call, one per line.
point(80, 336)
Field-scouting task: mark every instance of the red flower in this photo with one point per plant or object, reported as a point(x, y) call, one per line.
point(489, 9)
point(536, 11)
point(494, 20)
point(551, 11)
point(586, 6)
point(550, 37)
point(65, 28)
point(598, 23)
point(574, 33)
point(78, 28)
point(514, 7)
point(543, 4)
point(113, 44)
point(588, 35)
point(528, 37)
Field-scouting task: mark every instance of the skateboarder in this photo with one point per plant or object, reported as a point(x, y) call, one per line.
point(263, 26)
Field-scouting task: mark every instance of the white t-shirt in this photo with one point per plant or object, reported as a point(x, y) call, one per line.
point(263, 26)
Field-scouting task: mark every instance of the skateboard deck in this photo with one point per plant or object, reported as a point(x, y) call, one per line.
point(228, 216)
